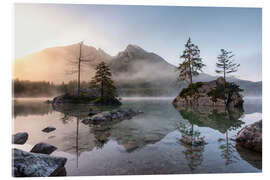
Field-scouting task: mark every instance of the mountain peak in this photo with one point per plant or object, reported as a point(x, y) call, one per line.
point(135, 49)
point(133, 46)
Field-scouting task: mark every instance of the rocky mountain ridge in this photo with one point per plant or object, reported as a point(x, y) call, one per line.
point(132, 68)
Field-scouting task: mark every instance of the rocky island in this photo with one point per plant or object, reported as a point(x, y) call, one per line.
point(84, 99)
point(210, 94)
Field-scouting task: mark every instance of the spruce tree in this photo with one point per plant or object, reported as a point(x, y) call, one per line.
point(192, 64)
point(226, 63)
point(103, 83)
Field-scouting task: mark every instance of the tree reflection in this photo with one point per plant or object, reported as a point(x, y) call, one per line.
point(193, 143)
point(219, 119)
point(231, 121)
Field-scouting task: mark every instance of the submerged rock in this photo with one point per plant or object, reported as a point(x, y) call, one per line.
point(49, 129)
point(27, 164)
point(43, 148)
point(20, 138)
point(250, 137)
point(210, 94)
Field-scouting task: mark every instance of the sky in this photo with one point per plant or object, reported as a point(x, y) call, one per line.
point(160, 29)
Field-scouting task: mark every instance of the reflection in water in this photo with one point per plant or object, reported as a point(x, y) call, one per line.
point(132, 135)
point(253, 158)
point(193, 143)
point(194, 155)
point(145, 144)
point(26, 108)
point(218, 119)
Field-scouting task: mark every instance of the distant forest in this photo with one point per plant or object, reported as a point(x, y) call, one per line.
point(26, 88)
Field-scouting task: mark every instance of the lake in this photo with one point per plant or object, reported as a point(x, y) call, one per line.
point(146, 144)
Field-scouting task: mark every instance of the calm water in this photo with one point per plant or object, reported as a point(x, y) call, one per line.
point(147, 144)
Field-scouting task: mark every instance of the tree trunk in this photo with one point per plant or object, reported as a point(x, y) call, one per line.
point(226, 98)
point(77, 141)
point(79, 71)
point(190, 72)
point(102, 89)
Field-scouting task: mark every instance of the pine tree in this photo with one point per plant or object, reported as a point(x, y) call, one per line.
point(192, 64)
point(226, 63)
point(103, 83)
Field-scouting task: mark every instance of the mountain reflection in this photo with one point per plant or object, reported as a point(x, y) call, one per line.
point(149, 140)
point(27, 108)
point(134, 134)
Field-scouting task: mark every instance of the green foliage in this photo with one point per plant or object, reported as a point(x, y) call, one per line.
point(191, 89)
point(78, 99)
point(103, 83)
point(23, 88)
point(217, 93)
point(192, 64)
point(232, 87)
point(221, 92)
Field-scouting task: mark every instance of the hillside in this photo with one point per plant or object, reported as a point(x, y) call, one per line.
point(54, 64)
point(135, 71)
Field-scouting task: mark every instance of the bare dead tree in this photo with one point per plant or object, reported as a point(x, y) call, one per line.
point(77, 61)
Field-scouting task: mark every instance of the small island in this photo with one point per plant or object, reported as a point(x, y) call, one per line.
point(210, 94)
point(215, 94)
point(101, 90)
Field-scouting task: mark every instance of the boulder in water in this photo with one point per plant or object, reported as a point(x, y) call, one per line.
point(27, 164)
point(43, 148)
point(250, 136)
point(20, 138)
point(49, 129)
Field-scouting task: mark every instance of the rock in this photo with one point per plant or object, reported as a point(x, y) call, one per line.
point(49, 129)
point(86, 121)
point(108, 116)
point(59, 172)
point(27, 164)
point(74, 99)
point(92, 112)
point(209, 94)
point(98, 118)
point(20, 138)
point(43, 148)
point(250, 137)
